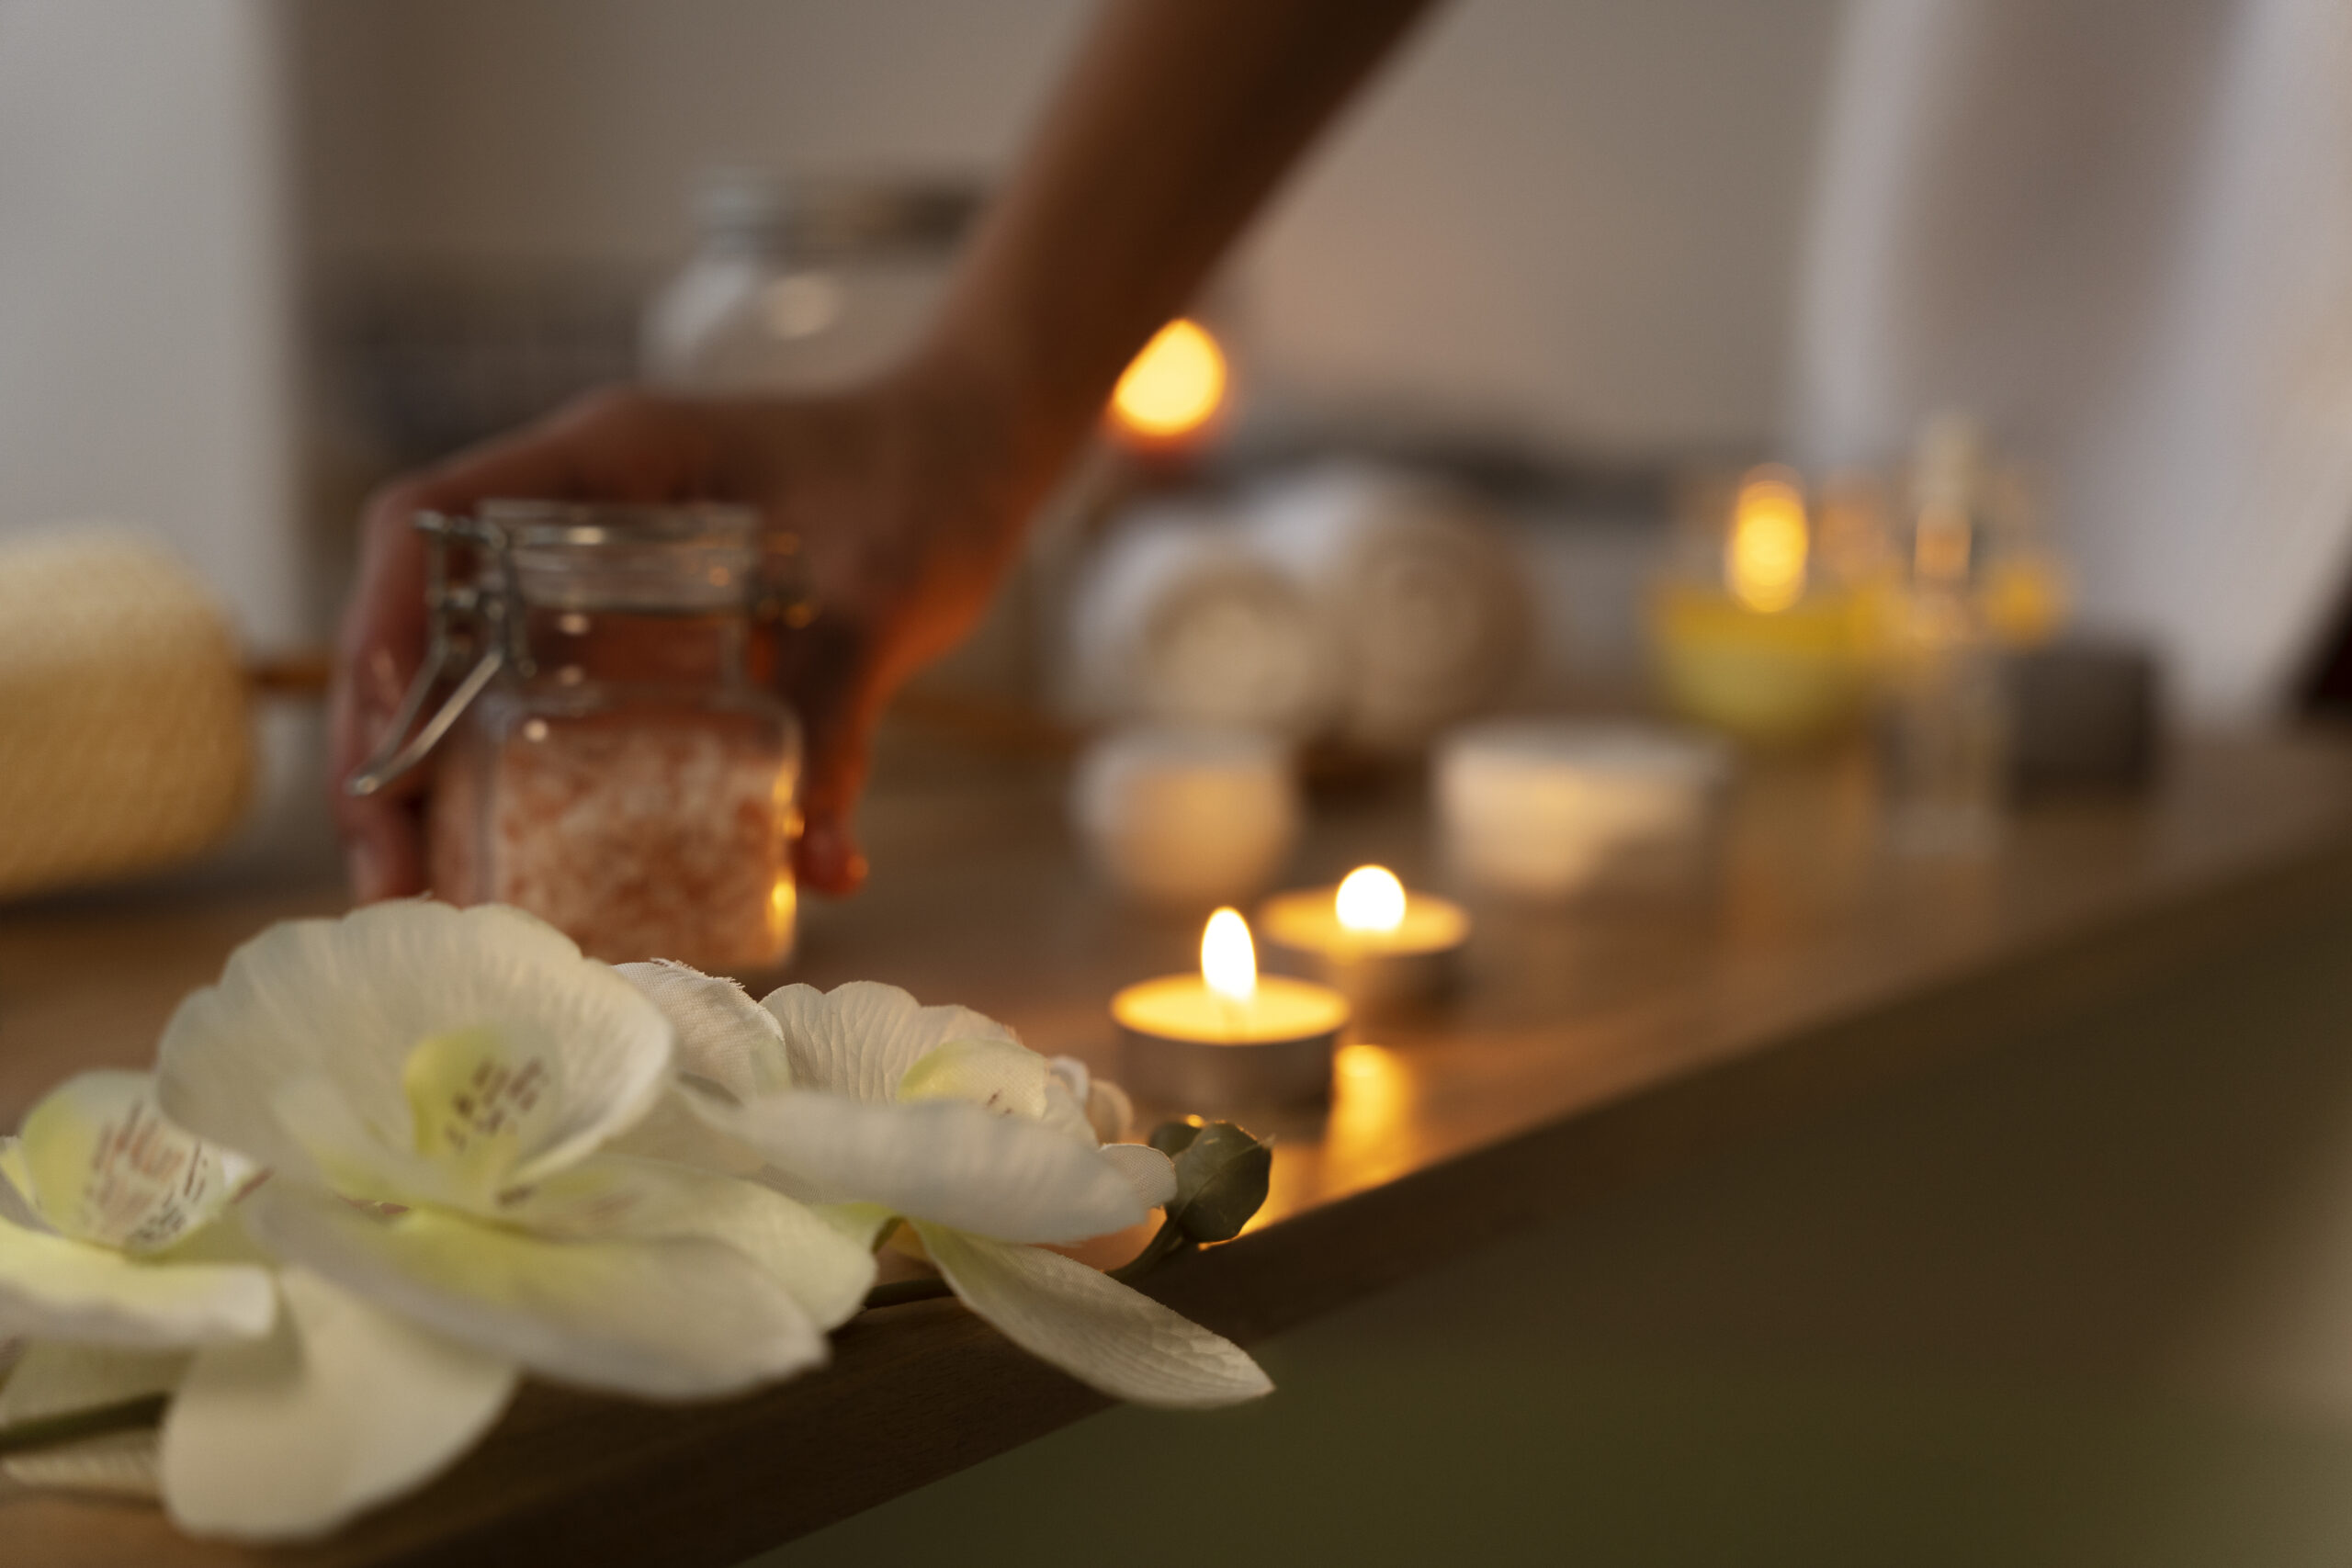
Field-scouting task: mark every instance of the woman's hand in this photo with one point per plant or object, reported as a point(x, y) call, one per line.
point(906, 501)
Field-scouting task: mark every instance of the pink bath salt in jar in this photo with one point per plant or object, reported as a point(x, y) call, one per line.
point(624, 773)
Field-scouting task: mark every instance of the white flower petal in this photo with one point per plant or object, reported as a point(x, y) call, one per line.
point(860, 1038)
point(1104, 1106)
point(1109, 1112)
point(52, 1287)
point(673, 1131)
point(16, 1188)
point(724, 1037)
point(99, 1163)
point(943, 1160)
point(1152, 1174)
point(678, 1318)
point(1092, 1326)
point(818, 1262)
point(349, 1157)
point(995, 1075)
point(1063, 1109)
point(861, 1223)
point(54, 1379)
point(350, 1000)
point(345, 1406)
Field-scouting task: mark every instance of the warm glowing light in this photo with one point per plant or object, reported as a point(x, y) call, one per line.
point(2026, 598)
point(1174, 386)
point(1370, 900)
point(1764, 564)
point(1941, 545)
point(1229, 963)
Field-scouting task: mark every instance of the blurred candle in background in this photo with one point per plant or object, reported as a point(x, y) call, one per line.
point(1376, 943)
point(1170, 395)
point(1765, 553)
point(1767, 654)
point(1370, 902)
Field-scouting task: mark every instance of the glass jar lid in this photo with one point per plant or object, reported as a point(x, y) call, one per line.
point(700, 556)
point(838, 216)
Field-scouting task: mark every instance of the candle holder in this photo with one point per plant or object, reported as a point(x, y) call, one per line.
point(1754, 645)
point(1382, 948)
point(1228, 1038)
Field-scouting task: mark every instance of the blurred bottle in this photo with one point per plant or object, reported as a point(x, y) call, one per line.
point(1944, 732)
point(2026, 591)
point(800, 284)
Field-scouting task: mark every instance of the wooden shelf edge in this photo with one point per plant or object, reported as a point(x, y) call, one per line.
point(919, 1393)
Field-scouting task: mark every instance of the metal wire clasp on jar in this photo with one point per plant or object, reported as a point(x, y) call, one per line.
point(611, 757)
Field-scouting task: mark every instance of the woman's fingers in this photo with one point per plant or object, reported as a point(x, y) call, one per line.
point(828, 674)
point(618, 445)
point(382, 642)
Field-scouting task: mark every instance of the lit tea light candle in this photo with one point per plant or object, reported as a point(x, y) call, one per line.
point(1228, 1036)
point(1766, 653)
point(1377, 944)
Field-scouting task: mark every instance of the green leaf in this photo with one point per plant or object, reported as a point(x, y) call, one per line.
point(1171, 1138)
point(1221, 1178)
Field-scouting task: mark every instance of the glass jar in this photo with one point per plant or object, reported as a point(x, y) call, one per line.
point(802, 284)
point(613, 760)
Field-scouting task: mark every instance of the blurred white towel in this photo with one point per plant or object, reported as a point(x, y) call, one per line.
point(1178, 619)
point(1416, 594)
point(2120, 235)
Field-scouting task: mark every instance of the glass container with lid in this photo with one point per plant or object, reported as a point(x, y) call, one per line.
point(802, 284)
point(613, 757)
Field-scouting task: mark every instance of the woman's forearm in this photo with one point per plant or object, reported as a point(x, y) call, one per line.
point(1176, 120)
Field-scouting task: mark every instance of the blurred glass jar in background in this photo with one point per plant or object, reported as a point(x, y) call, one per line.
point(1944, 725)
point(614, 760)
point(798, 285)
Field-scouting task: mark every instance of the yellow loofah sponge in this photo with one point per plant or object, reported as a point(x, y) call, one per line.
point(124, 742)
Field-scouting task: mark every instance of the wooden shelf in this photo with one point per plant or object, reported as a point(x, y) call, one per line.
point(1589, 1049)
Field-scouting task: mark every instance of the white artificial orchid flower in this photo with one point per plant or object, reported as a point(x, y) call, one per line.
point(431, 1089)
point(107, 1269)
point(1108, 1111)
point(99, 1200)
point(862, 1097)
point(115, 1264)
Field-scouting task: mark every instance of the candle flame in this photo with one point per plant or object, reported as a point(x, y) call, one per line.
point(1174, 386)
point(1370, 900)
point(1228, 961)
point(1764, 563)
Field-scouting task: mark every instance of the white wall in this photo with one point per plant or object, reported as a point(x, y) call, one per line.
point(2126, 250)
point(145, 309)
point(1576, 217)
point(1573, 217)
